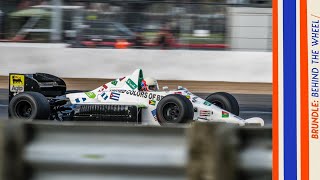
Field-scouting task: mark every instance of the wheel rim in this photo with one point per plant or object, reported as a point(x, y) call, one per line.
point(23, 109)
point(171, 112)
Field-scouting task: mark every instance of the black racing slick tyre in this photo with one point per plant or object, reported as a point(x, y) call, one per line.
point(29, 105)
point(225, 101)
point(174, 108)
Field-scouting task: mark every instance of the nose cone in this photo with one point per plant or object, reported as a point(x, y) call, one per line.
point(255, 120)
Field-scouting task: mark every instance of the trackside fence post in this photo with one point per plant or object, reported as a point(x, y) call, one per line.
point(11, 148)
point(211, 152)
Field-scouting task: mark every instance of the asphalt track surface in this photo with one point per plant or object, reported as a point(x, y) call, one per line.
point(251, 105)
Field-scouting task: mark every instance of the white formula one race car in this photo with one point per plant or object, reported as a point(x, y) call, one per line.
point(126, 99)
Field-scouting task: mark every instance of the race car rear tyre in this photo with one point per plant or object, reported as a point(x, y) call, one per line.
point(174, 108)
point(29, 105)
point(225, 101)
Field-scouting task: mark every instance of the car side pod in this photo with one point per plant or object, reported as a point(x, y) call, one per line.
point(254, 121)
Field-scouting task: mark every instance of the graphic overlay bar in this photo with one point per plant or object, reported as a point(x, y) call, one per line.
point(296, 73)
point(275, 92)
point(304, 93)
point(289, 85)
point(313, 26)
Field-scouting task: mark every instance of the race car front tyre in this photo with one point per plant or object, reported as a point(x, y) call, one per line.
point(225, 101)
point(174, 108)
point(29, 105)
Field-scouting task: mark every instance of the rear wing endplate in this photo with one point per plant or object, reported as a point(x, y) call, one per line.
point(46, 84)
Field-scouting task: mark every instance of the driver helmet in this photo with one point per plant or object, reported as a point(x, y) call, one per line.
point(152, 84)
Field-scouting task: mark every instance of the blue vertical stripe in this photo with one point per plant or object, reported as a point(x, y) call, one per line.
point(289, 93)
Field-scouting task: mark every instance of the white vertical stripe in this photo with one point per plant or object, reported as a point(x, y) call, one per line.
point(280, 86)
point(298, 88)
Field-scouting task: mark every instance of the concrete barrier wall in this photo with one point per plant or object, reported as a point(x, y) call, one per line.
point(229, 66)
point(93, 150)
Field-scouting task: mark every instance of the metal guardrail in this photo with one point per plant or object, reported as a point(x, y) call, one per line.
point(211, 151)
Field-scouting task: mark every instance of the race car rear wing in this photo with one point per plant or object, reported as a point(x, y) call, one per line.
point(46, 84)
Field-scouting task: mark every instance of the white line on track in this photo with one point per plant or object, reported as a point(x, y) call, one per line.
point(3, 105)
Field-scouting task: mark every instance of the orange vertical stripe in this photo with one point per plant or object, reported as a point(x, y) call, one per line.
point(275, 114)
point(304, 119)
